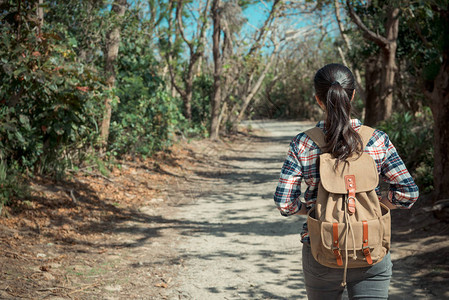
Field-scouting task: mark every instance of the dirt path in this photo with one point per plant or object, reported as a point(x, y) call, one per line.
point(197, 222)
point(235, 245)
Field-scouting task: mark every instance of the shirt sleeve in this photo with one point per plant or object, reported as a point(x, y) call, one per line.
point(288, 189)
point(403, 191)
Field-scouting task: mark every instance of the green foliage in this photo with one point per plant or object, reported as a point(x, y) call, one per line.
point(49, 100)
point(421, 42)
point(202, 93)
point(412, 135)
point(52, 78)
point(145, 118)
point(11, 184)
point(144, 126)
point(246, 3)
point(84, 31)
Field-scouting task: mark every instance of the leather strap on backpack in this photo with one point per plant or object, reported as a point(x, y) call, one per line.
point(365, 247)
point(351, 188)
point(335, 244)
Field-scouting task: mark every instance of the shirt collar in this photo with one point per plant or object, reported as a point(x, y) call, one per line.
point(355, 124)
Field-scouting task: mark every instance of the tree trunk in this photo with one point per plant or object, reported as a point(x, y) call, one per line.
point(216, 96)
point(40, 15)
point(389, 66)
point(112, 46)
point(372, 81)
point(196, 49)
point(187, 96)
point(439, 97)
point(222, 116)
point(383, 95)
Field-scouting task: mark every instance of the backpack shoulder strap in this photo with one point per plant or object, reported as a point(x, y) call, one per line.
point(316, 135)
point(366, 133)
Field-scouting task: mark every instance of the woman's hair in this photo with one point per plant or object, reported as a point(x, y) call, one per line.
point(334, 86)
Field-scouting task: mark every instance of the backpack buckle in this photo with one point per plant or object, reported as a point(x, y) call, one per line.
point(367, 253)
point(351, 204)
point(337, 254)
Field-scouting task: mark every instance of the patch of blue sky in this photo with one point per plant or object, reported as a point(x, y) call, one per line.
point(296, 24)
point(256, 14)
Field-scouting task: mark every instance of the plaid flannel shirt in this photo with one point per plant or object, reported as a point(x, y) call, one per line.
point(301, 164)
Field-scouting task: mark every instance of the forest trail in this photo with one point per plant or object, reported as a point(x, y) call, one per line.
point(234, 243)
point(197, 222)
point(237, 245)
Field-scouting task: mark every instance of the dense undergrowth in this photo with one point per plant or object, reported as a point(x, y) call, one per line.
point(52, 92)
point(412, 135)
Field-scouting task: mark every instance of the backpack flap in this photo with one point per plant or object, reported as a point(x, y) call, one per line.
point(363, 168)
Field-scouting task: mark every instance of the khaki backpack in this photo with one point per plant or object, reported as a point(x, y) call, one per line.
point(348, 227)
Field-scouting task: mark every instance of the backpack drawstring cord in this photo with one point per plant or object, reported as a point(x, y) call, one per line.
point(346, 252)
point(354, 257)
point(348, 228)
point(346, 248)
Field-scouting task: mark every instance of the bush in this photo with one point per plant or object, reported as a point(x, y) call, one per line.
point(201, 98)
point(146, 116)
point(49, 101)
point(412, 135)
point(11, 184)
point(144, 127)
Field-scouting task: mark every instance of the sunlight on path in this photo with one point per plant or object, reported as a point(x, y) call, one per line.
point(237, 245)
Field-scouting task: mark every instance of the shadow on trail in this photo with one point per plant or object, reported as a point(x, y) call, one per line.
point(239, 231)
point(255, 159)
point(250, 178)
point(286, 139)
point(422, 275)
point(250, 167)
point(426, 267)
point(114, 219)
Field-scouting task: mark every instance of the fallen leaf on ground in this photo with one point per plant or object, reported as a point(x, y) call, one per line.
point(45, 268)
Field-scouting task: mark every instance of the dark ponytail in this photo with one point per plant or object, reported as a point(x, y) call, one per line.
point(334, 86)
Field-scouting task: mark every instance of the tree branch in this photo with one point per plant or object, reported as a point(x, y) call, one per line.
point(203, 28)
point(376, 38)
point(262, 31)
point(358, 78)
point(417, 28)
point(256, 86)
point(340, 25)
point(155, 22)
point(180, 24)
point(172, 76)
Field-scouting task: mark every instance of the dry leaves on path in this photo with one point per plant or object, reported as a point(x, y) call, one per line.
point(93, 235)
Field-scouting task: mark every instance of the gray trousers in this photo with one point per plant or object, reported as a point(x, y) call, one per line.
point(362, 283)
